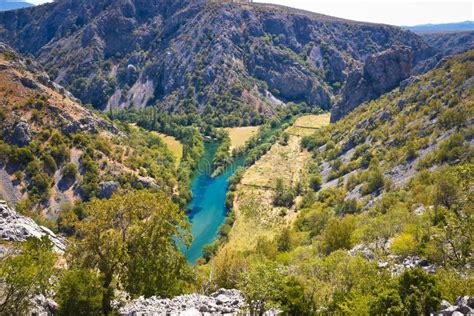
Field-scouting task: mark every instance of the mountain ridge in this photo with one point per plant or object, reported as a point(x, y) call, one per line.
point(250, 50)
point(467, 25)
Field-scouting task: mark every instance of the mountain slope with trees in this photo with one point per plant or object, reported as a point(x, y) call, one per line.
point(383, 214)
point(54, 151)
point(230, 62)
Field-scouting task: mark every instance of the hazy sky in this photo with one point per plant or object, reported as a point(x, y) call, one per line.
point(401, 12)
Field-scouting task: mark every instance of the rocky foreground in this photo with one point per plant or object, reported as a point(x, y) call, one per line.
point(222, 302)
point(17, 228)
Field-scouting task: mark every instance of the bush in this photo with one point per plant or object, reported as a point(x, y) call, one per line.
point(337, 234)
point(419, 292)
point(375, 181)
point(70, 171)
point(60, 153)
point(21, 156)
point(79, 293)
point(451, 149)
point(452, 118)
point(284, 197)
point(404, 245)
point(349, 206)
point(315, 182)
point(25, 274)
point(40, 184)
point(284, 240)
point(50, 165)
point(388, 302)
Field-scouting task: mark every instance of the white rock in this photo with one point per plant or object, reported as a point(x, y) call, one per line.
point(16, 227)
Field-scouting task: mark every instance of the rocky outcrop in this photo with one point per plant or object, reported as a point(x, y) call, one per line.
point(228, 302)
point(380, 74)
point(17, 133)
point(21, 134)
point(17, 228)
point(464, 305)
point(43, 306)
point(107, 189)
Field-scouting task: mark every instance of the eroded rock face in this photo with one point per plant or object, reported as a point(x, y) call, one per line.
point(221, 302)
point(213, 46)
point(16, 227)
point(380, 74)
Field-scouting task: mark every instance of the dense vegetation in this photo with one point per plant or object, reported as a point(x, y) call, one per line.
point(127, 242)
point(389, 183)
point(359, 220)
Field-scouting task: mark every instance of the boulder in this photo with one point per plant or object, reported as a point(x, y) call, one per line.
point(21, 134)
point(107, 189)
point(29, 83)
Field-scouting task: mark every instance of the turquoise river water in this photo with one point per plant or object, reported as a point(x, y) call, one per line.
point(207, 208)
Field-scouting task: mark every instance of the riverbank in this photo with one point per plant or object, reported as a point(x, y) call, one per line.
point(255, 215)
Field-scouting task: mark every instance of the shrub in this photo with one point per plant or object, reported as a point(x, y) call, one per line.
point(284, 240)
point(349, 206)
point(70, 171)
point(315, 182)
point(375, 181)
point(419, 292)
point(49, 163)
point(411, 152)
point(40, 184)
point(21, 156)
point(451, 149)
point(25, 275)
point(79, 293)
point(404, 245)
point(337, 234)
point(452, 118)
point(60, 153)
point(284, 196)
point(388, 302)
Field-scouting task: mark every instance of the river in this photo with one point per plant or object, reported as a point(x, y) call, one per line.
point(207, 208)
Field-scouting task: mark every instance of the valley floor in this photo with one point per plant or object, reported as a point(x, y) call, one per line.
point(254, 211)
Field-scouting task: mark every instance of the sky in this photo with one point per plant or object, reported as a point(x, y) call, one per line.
point(401, 12)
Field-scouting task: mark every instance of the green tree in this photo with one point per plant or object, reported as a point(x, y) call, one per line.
point(337, 234)
point(419, 292)
point(131, 239)
point(315, 182)
point(79, 293)
point(375, 179)
point(284, 240)
point(284, 196)
point(261, 286)
point(388, 302)
point(70, 171)
point(25, 274)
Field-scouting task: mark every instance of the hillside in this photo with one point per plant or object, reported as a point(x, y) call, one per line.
point(54, 151)
point(232, 63)
point(451, 43)
point(383, 196)
point(203, 157)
